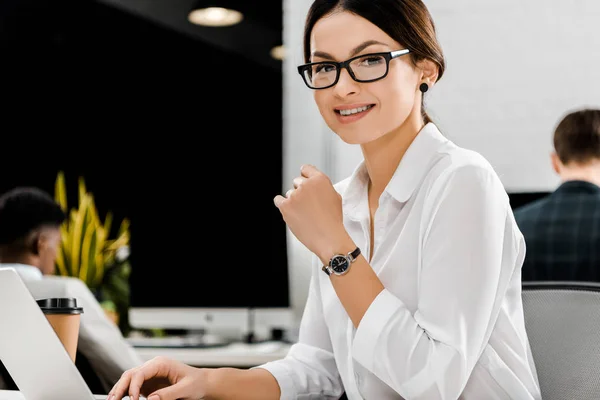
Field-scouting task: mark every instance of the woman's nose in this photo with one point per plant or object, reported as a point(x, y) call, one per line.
point(345, 85)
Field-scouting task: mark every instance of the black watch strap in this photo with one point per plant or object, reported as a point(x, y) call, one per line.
point(355, 254)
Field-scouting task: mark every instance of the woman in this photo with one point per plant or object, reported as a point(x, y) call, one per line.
point(416, 285)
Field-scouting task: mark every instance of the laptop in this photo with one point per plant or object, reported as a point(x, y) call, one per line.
point(30, 349)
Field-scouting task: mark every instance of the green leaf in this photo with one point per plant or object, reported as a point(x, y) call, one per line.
point(108, 305)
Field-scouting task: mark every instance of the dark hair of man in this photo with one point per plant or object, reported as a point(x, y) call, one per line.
point(577, 137)
point(25, 209)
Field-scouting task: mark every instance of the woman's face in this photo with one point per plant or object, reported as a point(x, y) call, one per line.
point(390, 101)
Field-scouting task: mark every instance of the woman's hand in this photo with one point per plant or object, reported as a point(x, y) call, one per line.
point(161, 379)
point(313, 212)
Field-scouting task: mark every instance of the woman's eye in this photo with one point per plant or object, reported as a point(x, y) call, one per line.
point(324, 68)
point(373, 60)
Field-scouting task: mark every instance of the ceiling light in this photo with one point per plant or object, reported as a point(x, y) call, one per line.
point(214, 16)
point(278, 52)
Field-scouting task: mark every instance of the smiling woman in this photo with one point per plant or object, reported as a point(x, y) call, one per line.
point(371, 60)
point(416, 258)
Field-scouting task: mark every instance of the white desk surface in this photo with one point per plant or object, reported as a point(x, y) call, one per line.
point(15, 395)
point(233, 355)
point(11, 395)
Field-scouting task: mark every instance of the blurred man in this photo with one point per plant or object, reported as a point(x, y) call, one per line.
point(29, 238)
point(562, 230)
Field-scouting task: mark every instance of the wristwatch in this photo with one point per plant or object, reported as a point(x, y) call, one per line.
point(339, 264)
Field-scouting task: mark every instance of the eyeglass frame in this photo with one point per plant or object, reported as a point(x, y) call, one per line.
point(387, 55)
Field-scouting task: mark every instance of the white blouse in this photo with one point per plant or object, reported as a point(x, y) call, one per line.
point(449, 324)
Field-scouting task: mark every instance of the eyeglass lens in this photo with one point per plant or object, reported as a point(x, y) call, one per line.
point(365, 68)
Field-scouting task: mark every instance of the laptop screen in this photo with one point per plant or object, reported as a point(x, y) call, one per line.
point(31, 351)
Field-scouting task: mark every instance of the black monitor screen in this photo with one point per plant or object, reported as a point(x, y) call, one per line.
point(519, 199)
point(182, 137)
point(216, 250)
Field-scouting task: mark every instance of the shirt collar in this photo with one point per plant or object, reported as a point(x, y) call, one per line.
point(578, 186)
point(415, 162)
point(26, 272)
point(409, 173)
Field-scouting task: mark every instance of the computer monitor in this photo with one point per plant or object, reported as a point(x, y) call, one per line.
point(519, 199)
point(208, 246)
point(224, 272)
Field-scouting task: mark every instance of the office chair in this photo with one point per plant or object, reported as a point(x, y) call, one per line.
point(563, 324)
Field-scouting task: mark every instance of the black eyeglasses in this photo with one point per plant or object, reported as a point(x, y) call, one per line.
point(364, 68)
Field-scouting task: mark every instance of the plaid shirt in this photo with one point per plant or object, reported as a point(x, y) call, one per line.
point(562, 234)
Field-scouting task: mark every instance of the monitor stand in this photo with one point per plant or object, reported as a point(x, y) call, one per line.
point(203, 338)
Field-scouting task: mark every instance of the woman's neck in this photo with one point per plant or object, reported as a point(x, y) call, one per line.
point(383, 155)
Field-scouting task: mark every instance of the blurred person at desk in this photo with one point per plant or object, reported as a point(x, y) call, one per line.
point(29, 238)
point(562, 230)
point(416, 277)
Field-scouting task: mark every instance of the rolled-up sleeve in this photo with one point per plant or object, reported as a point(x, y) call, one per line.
point(309, 370)
point(469, 253)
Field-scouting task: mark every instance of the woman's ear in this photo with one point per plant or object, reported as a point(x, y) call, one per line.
point(429, 72)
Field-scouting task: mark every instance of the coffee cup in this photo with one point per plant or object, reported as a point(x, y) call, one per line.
point(64, 315)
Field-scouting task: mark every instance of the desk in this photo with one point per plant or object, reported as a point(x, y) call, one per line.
point(16, 395)
point(11, 395)
point(237, 355)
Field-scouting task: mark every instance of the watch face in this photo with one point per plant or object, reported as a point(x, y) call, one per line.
point(339, 263)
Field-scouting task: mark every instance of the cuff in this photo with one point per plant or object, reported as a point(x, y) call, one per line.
point(371, 325)
point(283, 378)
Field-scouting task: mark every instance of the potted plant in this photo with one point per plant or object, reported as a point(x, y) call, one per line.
point(90, 253)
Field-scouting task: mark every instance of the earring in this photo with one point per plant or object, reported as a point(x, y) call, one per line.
point(423, 87)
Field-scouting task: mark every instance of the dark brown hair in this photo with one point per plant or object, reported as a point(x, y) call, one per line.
point(23, 210)
point(406, 21)
point(577, 137)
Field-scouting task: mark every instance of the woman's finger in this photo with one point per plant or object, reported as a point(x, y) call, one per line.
point(121, 387)
point(173, 392)
point(278, 200)
point(298, 181)
point(137, 380)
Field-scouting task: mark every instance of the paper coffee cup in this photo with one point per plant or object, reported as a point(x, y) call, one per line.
point(64, 316)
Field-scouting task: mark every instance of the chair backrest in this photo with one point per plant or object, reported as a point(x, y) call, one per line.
point(563, 324)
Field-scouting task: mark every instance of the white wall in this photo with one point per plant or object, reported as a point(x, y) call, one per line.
point(306, 139)
point(514, 68)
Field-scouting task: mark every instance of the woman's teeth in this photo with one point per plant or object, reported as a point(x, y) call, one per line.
point(354, 110)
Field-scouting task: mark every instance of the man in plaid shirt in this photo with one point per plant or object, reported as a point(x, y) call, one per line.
point(562, 230)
